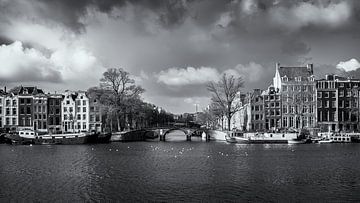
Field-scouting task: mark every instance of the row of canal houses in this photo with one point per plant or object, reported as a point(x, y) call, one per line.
point(31, 108)
point(296, 100)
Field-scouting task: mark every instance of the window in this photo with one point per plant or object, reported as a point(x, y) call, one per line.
point(333, 105)
point(28, 101)
point(84, 102)
point(0, 110)
point(14, 102)
point(84, 116)
point(14, 111)
point(78, 102)
point(28, 110)
point(84, 125)
point(79, 117)
point(348, 93)
point(70, 109)
point(67, 101)
point(341, 93)
point(7, 111)
point(319, 94)
point(7, 121)
point(347, 104)
point(78, 109)
point(22, 101)
point(84, 109)
point(319, 104)
point(65, 109)
point(326, 94)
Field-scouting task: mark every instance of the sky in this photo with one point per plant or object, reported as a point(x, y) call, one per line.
point(173, 48)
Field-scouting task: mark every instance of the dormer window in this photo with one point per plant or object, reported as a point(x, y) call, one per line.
point(285, 78)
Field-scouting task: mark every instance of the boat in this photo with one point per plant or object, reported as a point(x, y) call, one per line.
point(297, 141)
point(216, 135)
point(269, 138)
point(325, 141)
point(99, 137)
point(300, 139)
point(30, 137)
point(230, 139)
point(117, 136)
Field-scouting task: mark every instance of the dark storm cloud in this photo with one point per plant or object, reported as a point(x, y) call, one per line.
point(5, 40)
point(33, 74)
point(70, 13)
point(294, 46)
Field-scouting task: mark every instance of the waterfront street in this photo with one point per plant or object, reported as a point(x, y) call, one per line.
point(179, 170)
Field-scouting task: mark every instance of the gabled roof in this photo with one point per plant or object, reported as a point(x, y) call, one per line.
point(26, 90)
point(292, 72)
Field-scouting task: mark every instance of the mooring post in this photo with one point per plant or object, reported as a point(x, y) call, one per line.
point(188, 136)
point(207, 136)
point(162, 136)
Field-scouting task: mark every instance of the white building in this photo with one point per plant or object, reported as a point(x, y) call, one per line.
point(2, 114)
point(10, 110)
point(68, 111)
point(82, 111)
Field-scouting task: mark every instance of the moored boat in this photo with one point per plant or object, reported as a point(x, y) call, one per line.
point(30, 137)
point(297, 141)
point(230, 139)
point(325, 141)
point(98, 137)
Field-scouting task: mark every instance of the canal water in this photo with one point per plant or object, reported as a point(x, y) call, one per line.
point(177, 170)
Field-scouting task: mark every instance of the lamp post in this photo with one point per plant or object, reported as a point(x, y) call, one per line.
point(159, 111)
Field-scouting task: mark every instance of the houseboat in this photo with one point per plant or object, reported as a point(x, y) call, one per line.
point(265, 138)
point(338, 137)
point(30, 137)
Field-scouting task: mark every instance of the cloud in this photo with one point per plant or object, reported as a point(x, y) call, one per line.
point(71, 66)
point(300, 15)
point(188, 76)
point(293, 46)
point(350, 65)
point(19, 64)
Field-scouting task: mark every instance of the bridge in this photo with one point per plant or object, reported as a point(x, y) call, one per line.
point(162, 132)
point(189, 132)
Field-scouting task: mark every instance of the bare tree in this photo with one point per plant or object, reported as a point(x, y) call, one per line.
point(224, 95)
point(121, 90)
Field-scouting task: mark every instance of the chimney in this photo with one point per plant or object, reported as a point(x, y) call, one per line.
point(310, 68)
point(5, 89)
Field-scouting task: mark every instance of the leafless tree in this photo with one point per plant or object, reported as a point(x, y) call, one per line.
point(122, 91)
point(224, 94)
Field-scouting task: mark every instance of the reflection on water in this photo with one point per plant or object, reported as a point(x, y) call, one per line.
point(180, 170)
